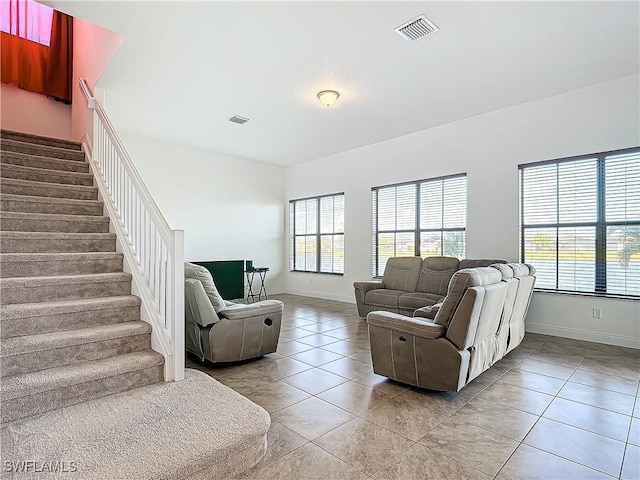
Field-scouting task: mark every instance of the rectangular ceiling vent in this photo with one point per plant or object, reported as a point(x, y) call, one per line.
point(238, 119)
point(416, 29)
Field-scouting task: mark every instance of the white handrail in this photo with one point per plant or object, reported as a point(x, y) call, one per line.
point(154, 253)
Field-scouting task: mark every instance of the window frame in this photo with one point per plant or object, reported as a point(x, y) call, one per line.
point(600, 224)
point(317, 235)
point(417, 231)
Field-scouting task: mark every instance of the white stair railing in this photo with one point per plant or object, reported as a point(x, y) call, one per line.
point(153, 252)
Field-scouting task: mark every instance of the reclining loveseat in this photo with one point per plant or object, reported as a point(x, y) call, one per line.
point(409, 283)
point(480, 320)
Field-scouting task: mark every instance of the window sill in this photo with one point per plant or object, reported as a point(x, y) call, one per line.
point(587, 294)
point(318, 273)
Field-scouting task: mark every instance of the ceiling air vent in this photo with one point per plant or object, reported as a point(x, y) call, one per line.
point(416, 29)
point(238, 119)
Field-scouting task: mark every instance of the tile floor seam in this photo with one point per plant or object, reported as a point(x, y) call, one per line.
point(567, 459)
point(624, 454)
point(502, 465)
point(594, 406)
point(522, 442)
point(626, 445)
point(363, 472)
point(542, 416)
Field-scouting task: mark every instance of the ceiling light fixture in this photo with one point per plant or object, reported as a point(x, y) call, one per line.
point(328, 97)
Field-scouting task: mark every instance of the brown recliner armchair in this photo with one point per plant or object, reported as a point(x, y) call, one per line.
point(461, 342)
point(223, 331)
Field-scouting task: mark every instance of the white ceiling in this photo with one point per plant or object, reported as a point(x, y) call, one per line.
point(186, 67)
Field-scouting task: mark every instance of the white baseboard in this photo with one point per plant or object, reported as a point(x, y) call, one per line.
point(589, 336)
point(323, 295)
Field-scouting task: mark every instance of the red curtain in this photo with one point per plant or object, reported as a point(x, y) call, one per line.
point(38, 68)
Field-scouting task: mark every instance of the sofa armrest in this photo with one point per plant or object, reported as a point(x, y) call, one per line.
point(364, 287)
point(428, 312)
point(411, 326)
point(239, 311)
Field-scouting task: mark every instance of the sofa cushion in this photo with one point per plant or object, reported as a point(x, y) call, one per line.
point(401, 273)
point(198, 272)
point(383, 297)
point(436, 273)
point(413, 301)
point(467, 263)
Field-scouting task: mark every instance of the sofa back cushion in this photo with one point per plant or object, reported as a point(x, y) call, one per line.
point(460, 282)
point(436, 273)
point(402, 273)
point(468, 263)
point(198, 272)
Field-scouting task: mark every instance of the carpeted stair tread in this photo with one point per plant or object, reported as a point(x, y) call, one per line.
point(55, 235)
point(41, 204)
point(42, 222)
point(37, 161)
point(58, 315)
point(53, 264)
point(194, 429)
point(43, 175)
point(39, 140)
point(16, 386)
point(25, 310)
point(17, 186)
point(67, 338)
point(64, 287)
point(56, 242)
point(8, 145)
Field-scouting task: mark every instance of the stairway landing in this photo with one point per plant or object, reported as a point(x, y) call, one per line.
point(195, 429)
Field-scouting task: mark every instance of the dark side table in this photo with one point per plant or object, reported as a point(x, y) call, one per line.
point(262, 274)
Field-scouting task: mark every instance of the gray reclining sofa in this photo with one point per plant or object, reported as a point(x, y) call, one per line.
point(409, 283)
point(480, 320)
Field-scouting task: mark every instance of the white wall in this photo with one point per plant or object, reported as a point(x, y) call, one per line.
point(31, 112)
point(488, 148)
point(230, 208)
point(93, 49)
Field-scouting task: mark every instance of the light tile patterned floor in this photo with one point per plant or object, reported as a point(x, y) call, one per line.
point(552, 409)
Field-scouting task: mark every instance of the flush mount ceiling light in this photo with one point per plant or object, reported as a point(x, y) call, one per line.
point(328, 97)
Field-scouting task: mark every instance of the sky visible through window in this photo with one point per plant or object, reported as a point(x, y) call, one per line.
point(26, 19)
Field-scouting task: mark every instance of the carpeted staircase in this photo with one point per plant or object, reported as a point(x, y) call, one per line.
point(70, 328)
point(73, 348)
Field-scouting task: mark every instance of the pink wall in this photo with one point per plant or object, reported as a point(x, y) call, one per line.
point(93, 49)
point(35, 113)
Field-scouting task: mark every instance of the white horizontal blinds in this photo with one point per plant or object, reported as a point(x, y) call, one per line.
point(580, 222)
point(559, 214)
point(622, 216)
point(374, 232)
point(305, 227)
point(318, 234)
point(577, 205)
point(396, 224)
point(292, 245)
point(426, 217)
point(443, 217)
point(332, 234)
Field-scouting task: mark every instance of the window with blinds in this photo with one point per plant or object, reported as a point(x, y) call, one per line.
point(317, 234)
point(580, 222)
point(421, 218)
